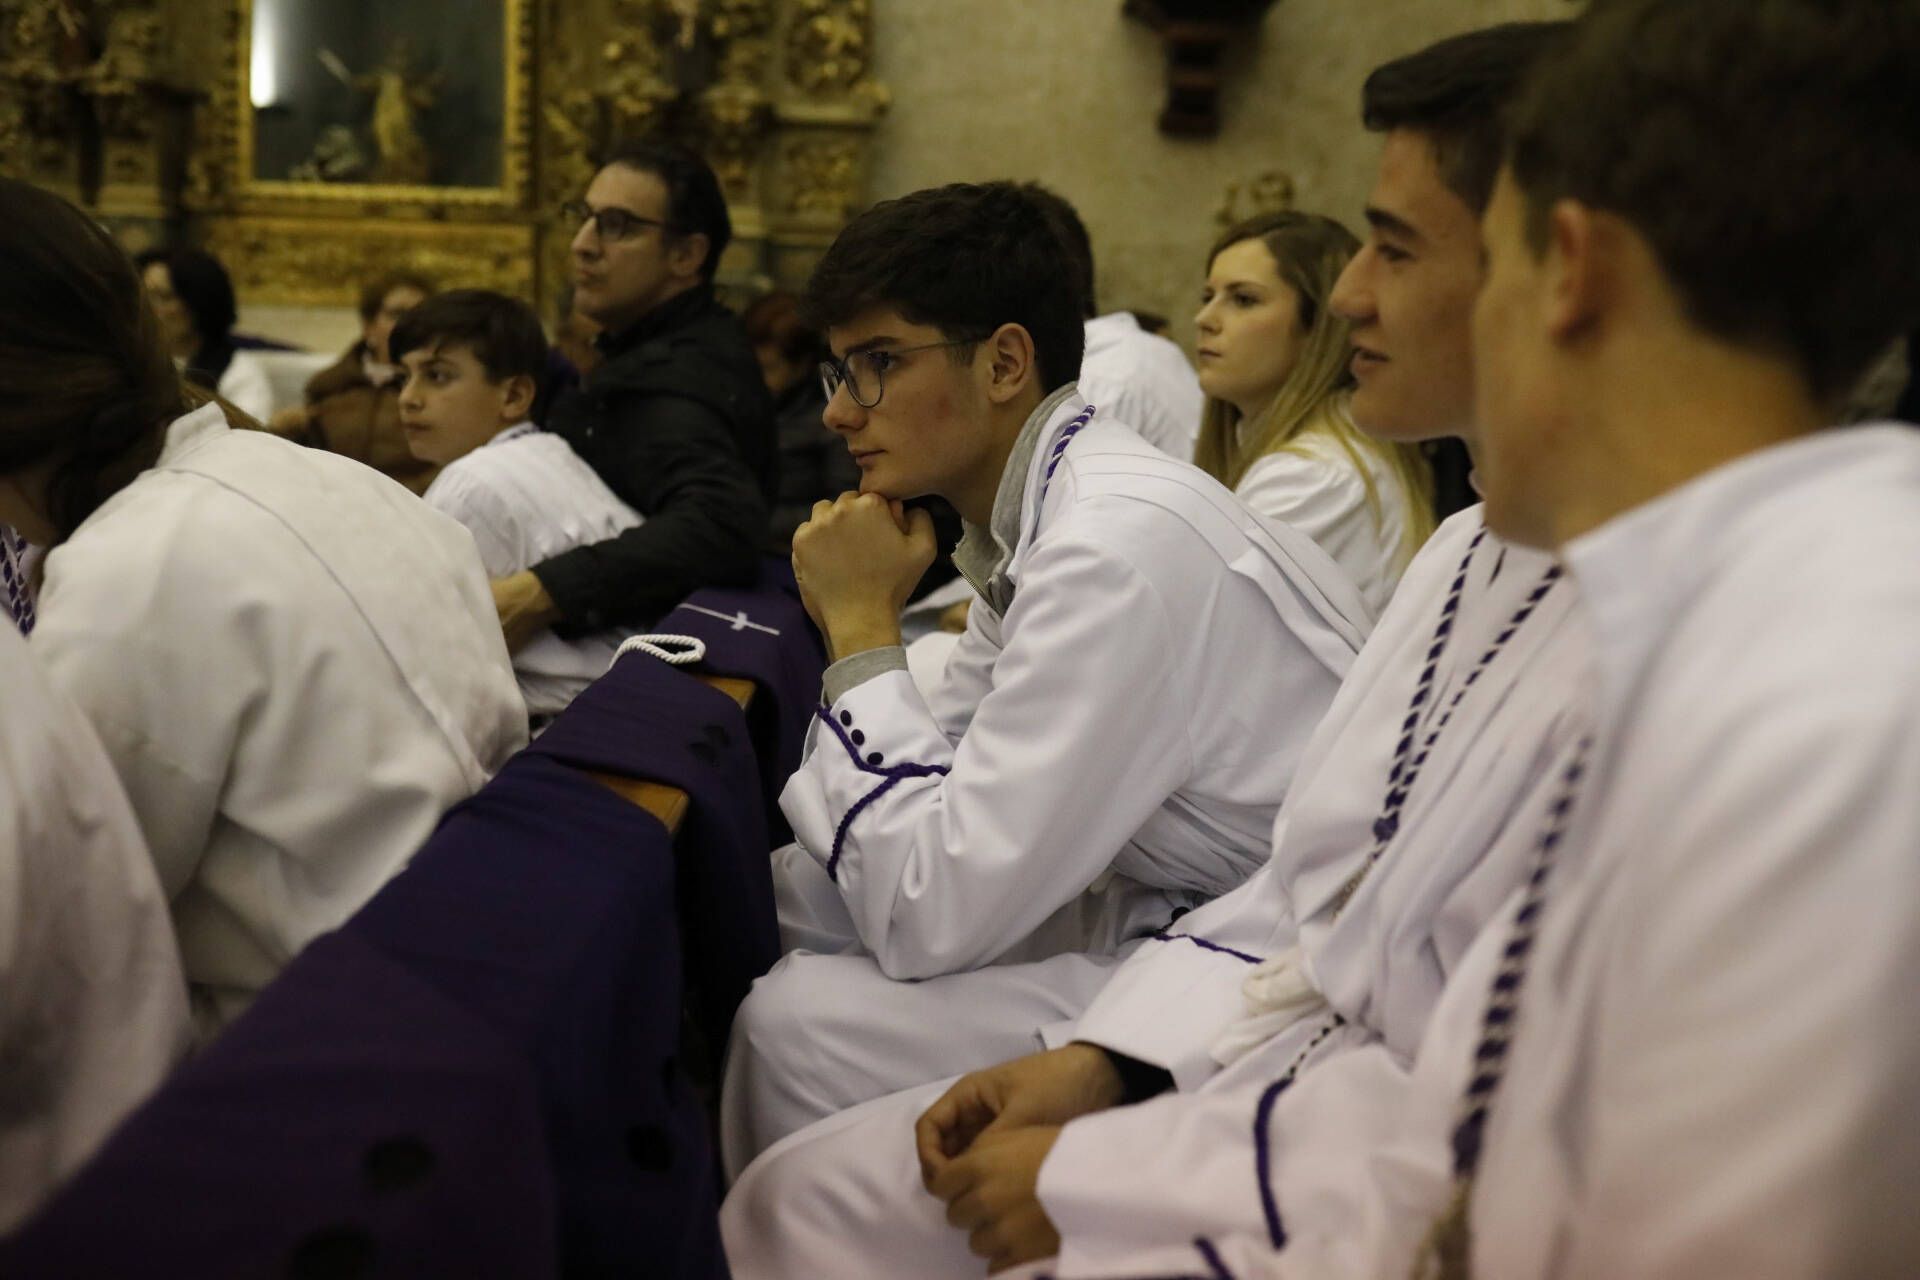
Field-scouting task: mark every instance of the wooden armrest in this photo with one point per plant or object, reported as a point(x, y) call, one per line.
point(669, 804)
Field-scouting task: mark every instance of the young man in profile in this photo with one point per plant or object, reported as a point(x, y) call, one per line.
point(1096, 760)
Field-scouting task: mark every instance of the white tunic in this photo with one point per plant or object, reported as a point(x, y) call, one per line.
point(526, 496)
point(1712, 1073)
point(1715, 1064)
point(295, 667)
point(1143, 380)
point(93, 1007)
point(1313, 486)
point(246, 385)
point(1137, 714)
point(1182, 1165)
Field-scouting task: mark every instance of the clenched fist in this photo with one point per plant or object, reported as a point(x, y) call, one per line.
point(857, 559)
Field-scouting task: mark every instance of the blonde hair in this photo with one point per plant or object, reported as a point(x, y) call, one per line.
point(1309, 253)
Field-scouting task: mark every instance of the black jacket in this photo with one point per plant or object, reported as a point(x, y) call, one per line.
point(678, 422)
point(1909, 407)
point(814, 462)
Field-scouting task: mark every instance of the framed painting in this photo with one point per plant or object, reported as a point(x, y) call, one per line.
point(372, 102)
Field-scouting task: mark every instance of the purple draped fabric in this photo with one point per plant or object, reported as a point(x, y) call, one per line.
point(354, 1123)
point(645, 719)
point(762, 633)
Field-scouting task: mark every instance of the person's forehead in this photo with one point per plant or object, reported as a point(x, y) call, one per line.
point(1249, 260)
point(879, 326)
point(401, 297)
point(1412, 189)
point(625, 187)
point(449, 352)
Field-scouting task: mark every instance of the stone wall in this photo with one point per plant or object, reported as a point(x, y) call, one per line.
point(1068, 91)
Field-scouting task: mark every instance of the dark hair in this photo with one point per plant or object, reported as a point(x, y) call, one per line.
point(1074, 240)
point(502, 333)
point(203, 287)
point(695, 205)
point(1760, 148)
point(1455, 94)
point(775, 320)
point(373, 294)
point(87, 380)
point(965, 259)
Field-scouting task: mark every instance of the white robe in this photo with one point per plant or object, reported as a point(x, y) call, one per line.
point(1314, 486)
point(1112, 750)
point(295, 667)
point(1143, 380)
point(1128, 1175)
point(1712, 1071)
point(247, 386)
point(526, 496)
point(93, 1007)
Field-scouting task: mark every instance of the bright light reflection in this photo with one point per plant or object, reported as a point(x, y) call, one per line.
point(263, 75)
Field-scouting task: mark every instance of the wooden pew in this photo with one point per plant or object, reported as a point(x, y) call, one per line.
point(669, 804)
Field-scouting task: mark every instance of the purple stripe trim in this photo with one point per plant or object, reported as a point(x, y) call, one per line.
point(1263, 1161)
point(892, 774)
point(1166, 935)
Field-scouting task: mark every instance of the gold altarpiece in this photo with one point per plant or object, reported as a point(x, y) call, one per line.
point(158, 115)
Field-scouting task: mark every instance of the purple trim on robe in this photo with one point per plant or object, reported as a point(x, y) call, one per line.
point(1166, 935)
point(892, 774)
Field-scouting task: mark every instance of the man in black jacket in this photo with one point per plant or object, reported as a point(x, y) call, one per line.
point(675, 418)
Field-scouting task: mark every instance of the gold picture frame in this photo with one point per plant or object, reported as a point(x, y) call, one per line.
point(391, 175)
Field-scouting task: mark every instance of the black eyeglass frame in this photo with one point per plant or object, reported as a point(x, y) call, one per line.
point(836, 373)
point(622, 227)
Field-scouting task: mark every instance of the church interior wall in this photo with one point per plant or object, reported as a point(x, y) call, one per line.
point(1068, 91)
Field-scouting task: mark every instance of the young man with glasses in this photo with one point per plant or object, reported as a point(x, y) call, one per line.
point(1115, 731)
point(675, 418)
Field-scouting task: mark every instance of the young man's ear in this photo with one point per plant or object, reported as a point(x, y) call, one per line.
point(1581, 266)
point(1011, 362)
point(521, 392)
point(688, 253)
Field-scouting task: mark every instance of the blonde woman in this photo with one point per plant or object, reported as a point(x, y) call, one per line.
point(1273, 361)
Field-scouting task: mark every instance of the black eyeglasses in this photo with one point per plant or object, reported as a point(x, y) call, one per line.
point(863, 373)
point(609, 223)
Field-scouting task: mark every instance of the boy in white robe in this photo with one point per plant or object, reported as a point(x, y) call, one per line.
point(93, 1006)
point(473, 362)
point(1095, 760)
point(1687, 1047)
point(1347, 946)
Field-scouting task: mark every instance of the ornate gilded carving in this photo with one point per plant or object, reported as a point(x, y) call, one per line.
point(79, 78)
point(1269, 192)
point(829, 45)
point(822, 177)
point(322, 262)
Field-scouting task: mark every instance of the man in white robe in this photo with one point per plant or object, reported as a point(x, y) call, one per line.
point(1095, 761)
point(93, 1006)
point(1687, 1047)
point(1457, 717)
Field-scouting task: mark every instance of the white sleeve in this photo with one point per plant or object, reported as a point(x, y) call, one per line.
point(245, 385)
point(948, 854)
point(498, 532)
point(1168, 1002)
